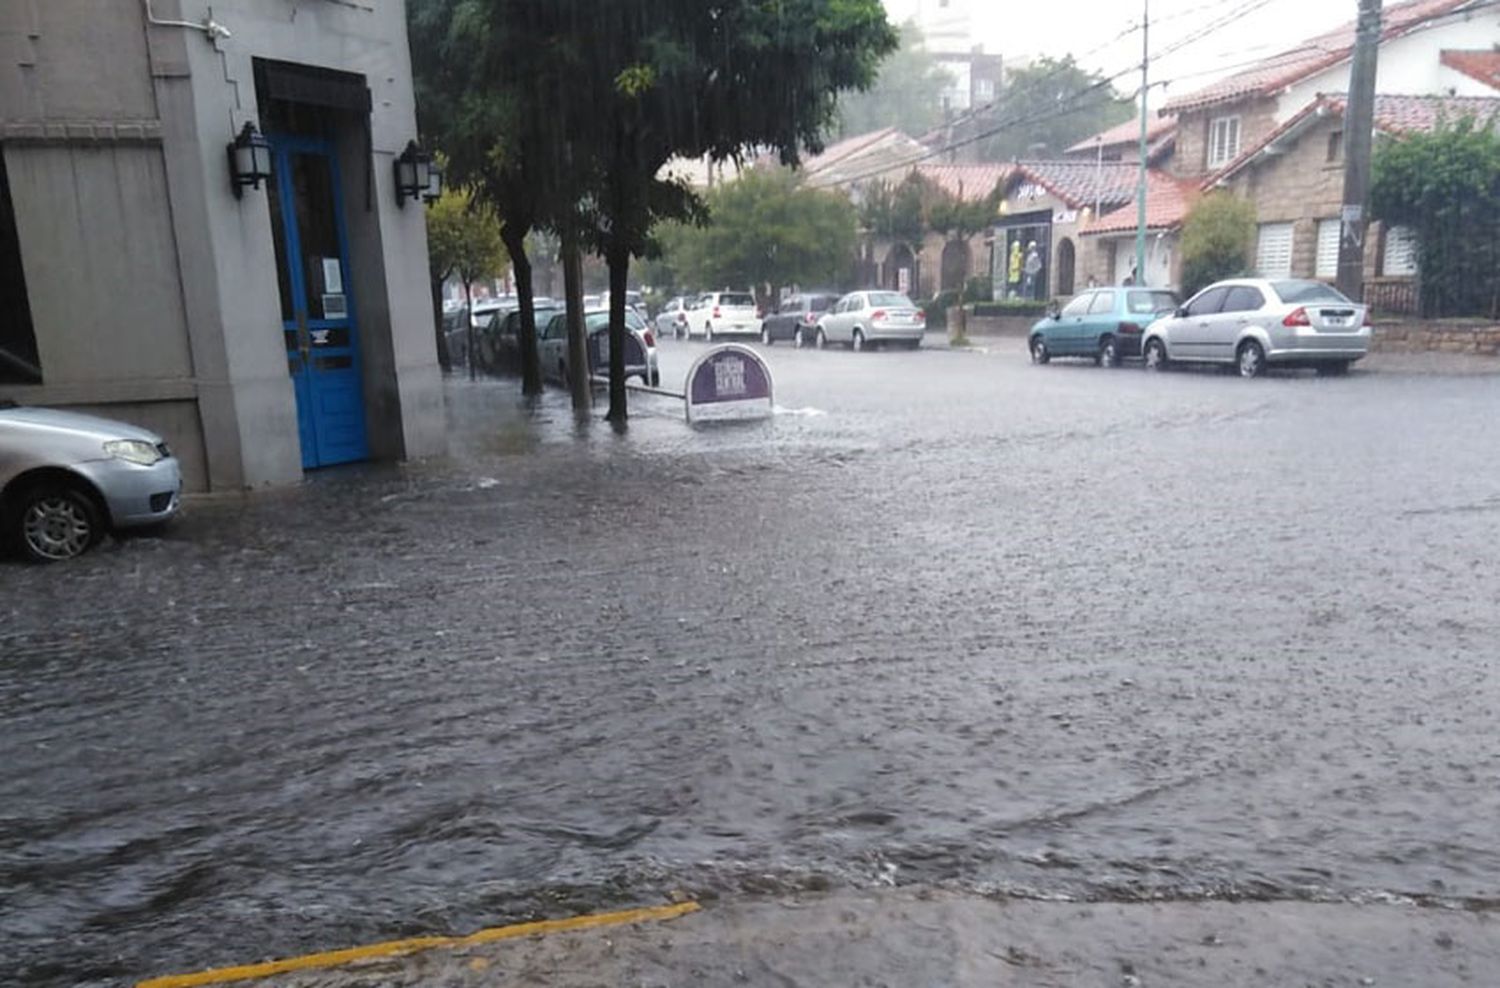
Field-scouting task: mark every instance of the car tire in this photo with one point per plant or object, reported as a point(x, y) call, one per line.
point(766, 337)
point(1250, 359)
point(1109, 353)
point(1039, 352)
point(1334, 368)
point(1154, 357)
point(797, 341)
point(656, 379)
point(857, 341)
point(54, 522)
point(821, 342)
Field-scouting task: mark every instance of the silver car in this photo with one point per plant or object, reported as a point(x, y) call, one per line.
point(862, 319)
point(640, 354)
point(1251, 323)
point(65, 479)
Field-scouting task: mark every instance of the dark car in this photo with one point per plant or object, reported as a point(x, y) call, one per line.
point(499, 340)
point(796, 319)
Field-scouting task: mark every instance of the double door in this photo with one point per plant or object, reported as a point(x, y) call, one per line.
point(317, 308)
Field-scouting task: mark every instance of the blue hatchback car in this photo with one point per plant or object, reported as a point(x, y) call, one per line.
point(1103, 324)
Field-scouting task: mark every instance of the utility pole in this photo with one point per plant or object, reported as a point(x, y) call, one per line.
point(1359, 133)
point(1140, 190)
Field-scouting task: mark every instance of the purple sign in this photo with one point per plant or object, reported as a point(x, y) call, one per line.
point(730, 375)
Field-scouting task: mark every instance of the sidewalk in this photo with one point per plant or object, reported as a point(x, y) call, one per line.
point(911, 938)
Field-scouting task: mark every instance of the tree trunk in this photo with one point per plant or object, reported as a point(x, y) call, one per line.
point(513, 235)
point(619, 273)
point(578, 354)
point(444, 361)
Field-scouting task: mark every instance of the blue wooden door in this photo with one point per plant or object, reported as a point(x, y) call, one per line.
point(317, 304)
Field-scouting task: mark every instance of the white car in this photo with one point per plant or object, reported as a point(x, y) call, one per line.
point(672, 319)
point(863, 319)
point(1251, 323)
point(640, 356)
point(723, 314)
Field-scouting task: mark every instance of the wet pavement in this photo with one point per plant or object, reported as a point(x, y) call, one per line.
point(947, 621)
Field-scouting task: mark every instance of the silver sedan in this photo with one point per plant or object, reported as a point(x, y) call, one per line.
point(67, 478)
point(1251, 323)
point(862, 319)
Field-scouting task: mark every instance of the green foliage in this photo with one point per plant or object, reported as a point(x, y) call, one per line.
point(907, 94)
point(1216, 240)
point(899, 211)
point(979, 288)
point(1445, 185)
point(463, 238)
point(1046, 107)
point(1011, 307)
point(765, 228)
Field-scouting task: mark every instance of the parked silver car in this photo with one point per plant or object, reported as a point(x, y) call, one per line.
point(640, 353)
point(65, 479)
point(1251, 323)
point(860, 319)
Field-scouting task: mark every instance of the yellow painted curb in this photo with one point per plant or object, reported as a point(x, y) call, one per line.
point(395, 948)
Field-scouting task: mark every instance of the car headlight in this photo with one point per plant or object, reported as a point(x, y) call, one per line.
point(133, 451)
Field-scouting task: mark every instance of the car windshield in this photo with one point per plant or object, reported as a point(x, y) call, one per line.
point(890, 299)
point(1147, 302)
point(1300, 292)
point(820, 303)
point(736, 299)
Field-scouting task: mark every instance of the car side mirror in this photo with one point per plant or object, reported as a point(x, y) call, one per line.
point(1180, 312)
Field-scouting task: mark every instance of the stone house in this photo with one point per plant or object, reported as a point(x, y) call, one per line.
point(947, 263)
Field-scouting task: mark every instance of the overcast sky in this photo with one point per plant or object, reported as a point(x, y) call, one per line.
point(1087, 29)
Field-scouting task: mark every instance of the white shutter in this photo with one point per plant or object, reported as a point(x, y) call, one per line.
point(1273, 250)
point(1328, 249)
point(1400, 252)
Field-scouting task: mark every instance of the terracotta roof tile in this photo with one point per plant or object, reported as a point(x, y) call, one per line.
point(1128, 132)
point(969, 182)
point(1079, 182)
point(1481, 65)
point(1168, 200)
point(1312, 56)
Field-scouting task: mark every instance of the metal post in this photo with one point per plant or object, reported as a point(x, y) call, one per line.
point(1359, 129)
point(1140, 192)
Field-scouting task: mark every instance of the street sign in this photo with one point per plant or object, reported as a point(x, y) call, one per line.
point(729, 381)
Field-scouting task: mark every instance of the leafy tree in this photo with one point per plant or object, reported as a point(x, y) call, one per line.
point(907, 94)
point(896, 211)
point(959, 218)
point(765, 229)
point(463, 240)
point(1045, 107)
point(1445, 185)
point(1216, 239)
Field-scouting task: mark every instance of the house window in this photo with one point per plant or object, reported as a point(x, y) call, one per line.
point(985, 89)
point(1335, 146)
point(1223, 141)
point(19, 363)
point(1400, 252)
point(1273, 250)
point(1328, 249)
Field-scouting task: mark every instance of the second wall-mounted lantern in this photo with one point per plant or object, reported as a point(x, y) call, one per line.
point(434, 183)
point(249, 160)
point(413, 174)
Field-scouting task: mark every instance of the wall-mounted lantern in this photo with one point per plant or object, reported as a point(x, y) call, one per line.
point(249, 160)
point(434, 184)
point(413, 173)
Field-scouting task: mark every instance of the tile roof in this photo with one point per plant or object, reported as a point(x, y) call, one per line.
point(1128, 132)
point(969, 182)
point(1079, 182)
point(878, 154)
point(1168, 200)
point(1270, 75)
point(1393, 114)
point(1483, 65)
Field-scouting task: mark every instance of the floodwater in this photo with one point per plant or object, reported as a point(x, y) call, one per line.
point(948, 620)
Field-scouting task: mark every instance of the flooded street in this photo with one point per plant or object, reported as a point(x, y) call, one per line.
point(947, 620)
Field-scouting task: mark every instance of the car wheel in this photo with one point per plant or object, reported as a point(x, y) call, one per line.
point(1155, 355)
point(656, 379)
point(55, 522)
point(797, 340)
point(1337, 368)
point(822, 339)
point(1109, 353)
point(857, 341)
point(765, 336)
point(1251, 359)
point(1039, 352)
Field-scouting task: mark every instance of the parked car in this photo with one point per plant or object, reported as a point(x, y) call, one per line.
point(672, 319)
point(722, 314)
point(66, 479)
point(862, 319)
point(500, 340)
point(796, 319)
point(633, 300)
point(1251, 323)
point(1105, 324)
point(640, 359)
